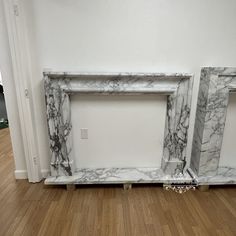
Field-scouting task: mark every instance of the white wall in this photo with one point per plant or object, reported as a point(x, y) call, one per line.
point(123, 131)
point(128, 35)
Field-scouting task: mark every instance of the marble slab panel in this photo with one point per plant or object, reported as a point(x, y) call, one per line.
point(224, 175)
point(118, 176)
point(215, 85)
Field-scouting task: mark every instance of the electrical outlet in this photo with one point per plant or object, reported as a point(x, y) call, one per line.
point(84, 133)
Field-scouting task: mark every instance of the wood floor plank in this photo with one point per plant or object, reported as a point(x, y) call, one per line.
point(146, 210)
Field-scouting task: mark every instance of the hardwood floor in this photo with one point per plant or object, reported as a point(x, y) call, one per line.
point(33, 209)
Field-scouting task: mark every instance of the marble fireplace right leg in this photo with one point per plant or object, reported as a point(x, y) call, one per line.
point(176, 129)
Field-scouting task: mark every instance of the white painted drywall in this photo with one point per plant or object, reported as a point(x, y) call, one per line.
point(128, 35)
point(123, 131)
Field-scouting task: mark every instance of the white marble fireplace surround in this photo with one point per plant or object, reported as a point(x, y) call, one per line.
point(59, 86)
point(215, 85)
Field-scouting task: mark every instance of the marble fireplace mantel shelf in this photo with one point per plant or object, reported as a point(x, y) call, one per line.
point(71, 74)
point(118, 83)
point(118, 176)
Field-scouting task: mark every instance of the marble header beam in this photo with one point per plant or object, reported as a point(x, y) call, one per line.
point(59, 86)
point(215, 85)
point(123, 83)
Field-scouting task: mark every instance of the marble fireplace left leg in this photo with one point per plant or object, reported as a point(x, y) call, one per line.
point(59, 127)
point(176, 129)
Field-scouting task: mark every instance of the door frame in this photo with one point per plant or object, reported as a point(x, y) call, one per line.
point(22, 76)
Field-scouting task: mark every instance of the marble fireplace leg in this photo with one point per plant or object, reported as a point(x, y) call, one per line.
point(215, 85)
point(59, 127)
point(176, 129)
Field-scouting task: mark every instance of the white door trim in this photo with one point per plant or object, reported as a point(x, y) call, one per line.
point(22, 73)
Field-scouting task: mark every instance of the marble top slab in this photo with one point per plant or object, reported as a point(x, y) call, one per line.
point(118, 176)
point(72, 74)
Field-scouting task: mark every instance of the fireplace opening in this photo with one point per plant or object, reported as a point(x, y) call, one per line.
point(118, 130)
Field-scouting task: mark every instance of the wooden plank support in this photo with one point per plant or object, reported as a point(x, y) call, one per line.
point(70, 187)
point(203, 188)
point(127, 186)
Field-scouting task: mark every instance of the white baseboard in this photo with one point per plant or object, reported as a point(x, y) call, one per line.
point(22, 174)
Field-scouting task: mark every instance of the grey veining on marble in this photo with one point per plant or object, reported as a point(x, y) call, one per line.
point(59, 128)
point(176, 128)
point(224, 175)
point(59, 86)
point(119, 175)
point(215, 86)
point(119, 83)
